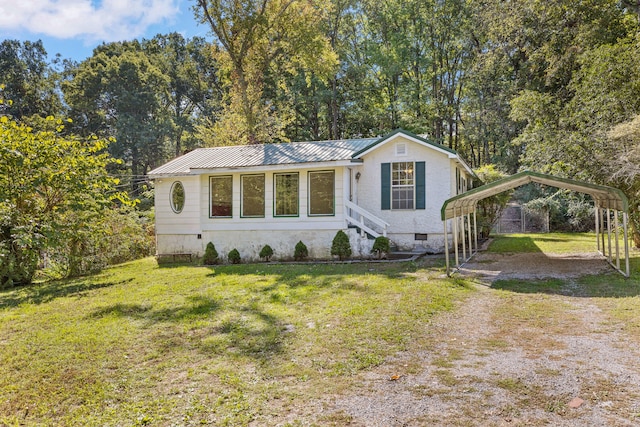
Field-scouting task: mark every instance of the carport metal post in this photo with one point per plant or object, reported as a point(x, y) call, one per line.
point(615, 224)
point(626, 241)
point(604, 246)
point(446, 244)
point(475, 227)
point(609, 235)
point(455, 236)
point(470, 236)
point(597, 212)
point(463, 236)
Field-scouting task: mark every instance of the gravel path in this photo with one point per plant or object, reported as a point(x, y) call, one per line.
point(504, 358)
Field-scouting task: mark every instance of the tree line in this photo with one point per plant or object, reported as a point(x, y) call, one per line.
point(552, 86)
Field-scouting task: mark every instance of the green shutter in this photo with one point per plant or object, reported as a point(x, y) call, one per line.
point(420, 186)
point(385, 193)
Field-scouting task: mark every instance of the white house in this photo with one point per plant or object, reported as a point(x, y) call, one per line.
point(244, 197)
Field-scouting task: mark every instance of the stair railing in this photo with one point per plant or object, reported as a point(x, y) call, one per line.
point(355, 215)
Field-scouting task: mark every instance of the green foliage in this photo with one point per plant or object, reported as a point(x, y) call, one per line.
point(54, 195)
point(300, 251)
point(119, 235)
point(490, 209)
point(380, 246)
point(266, 252)
point(234, 256)
point(29, 81)
point(271, 41)
point(341, 246)
point(210, 255)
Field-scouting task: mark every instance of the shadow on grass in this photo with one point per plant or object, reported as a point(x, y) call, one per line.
point(197, 306)
point(45, 292)
point(295, 275)
point(249, 332)
point(245, 331)
point(609, 285)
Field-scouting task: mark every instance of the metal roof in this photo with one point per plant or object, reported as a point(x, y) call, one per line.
point(263, 155)
point(465, 203)
point(414, 137)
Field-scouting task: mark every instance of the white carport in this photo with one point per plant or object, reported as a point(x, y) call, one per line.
point(609, 203)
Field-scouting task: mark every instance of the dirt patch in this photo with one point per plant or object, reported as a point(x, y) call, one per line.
point(507, 358)
point(536, 265)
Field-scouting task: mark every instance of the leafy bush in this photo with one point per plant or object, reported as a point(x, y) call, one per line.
point(56, 202)
point(266, 253)
point(301, 252)
point(380, 246)
point(121, 235)
point(210, 254)
point(234, 256)
point(341, 246)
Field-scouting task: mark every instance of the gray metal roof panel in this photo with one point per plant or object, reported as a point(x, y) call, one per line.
point(263, 155)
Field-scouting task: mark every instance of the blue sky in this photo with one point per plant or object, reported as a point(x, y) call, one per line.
point(74, 27)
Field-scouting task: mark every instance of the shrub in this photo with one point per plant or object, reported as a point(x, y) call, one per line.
point(380, 246)
point(301, 251)
point(234, 256)
point(266, 253)
point(341, 246)
point(210, 255)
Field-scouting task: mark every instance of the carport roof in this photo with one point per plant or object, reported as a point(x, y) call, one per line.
point(465, 203)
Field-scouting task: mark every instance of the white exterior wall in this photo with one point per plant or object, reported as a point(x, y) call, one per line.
point(439, 169)
point(177, 233)
point(187, 221)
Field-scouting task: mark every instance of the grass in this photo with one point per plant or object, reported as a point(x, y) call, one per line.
point(559, 243)
point(184, 345)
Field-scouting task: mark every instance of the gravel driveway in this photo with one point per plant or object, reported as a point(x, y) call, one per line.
point(507, 358)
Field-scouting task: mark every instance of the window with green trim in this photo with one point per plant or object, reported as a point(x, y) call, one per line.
point(322, 193)
point(252, 187)
point(221, 188)
point(402, 185)
point(286, 194)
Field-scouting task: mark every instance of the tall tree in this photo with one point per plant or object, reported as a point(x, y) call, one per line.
point(529, 46)
point(253, 37)
point(581, 138)
point(29, 80)
point(193, 90)
point(116, 92)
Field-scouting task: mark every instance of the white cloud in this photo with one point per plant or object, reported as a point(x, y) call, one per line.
point(106, 20)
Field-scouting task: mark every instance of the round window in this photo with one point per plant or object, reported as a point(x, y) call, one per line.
point(177, 197)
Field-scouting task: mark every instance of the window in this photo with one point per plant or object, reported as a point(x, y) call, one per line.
point(252, 195)
point(177, 197)
point(286, 194)
point(221, 196)
point(321, 193)
point(402, 185)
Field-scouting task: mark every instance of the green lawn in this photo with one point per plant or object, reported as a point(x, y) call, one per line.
point(544, 242)
point(187, 345)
